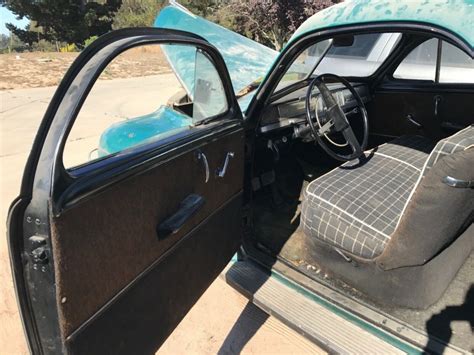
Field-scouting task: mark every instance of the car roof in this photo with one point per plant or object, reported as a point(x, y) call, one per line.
point(456, 16)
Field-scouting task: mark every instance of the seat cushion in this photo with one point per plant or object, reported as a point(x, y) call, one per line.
point(356, 207)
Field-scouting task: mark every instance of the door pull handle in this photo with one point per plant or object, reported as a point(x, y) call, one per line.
point(221, 171)
point(186, 209)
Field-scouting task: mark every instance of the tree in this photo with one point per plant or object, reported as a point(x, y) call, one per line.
point(71, 21)
point(272, 22)
point(136, 13)
point(11, 43)
point(4, 42)
point(203, 8)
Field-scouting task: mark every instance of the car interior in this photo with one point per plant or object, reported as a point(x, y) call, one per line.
point(378, 206)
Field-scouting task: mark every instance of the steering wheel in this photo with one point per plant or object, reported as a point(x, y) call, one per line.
point(335, 120)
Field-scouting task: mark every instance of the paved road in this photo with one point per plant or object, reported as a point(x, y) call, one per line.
point(221, 322)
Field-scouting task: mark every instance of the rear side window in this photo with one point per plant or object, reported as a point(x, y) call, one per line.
point(420, 64)
point(455, 66)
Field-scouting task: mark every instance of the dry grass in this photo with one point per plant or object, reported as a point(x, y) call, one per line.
point(40, 69)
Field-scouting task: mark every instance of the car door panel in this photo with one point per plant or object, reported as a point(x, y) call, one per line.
point(148, 310)
point(391, 106)
point(92, 272)
point(115, 231)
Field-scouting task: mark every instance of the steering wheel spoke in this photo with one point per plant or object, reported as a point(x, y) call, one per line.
point(351, 139)
point(325, 128)
point(337, 119)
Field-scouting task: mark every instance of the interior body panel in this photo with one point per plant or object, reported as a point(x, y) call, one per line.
point(395, 112)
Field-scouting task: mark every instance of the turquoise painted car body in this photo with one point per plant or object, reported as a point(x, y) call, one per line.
point(248, 61)
point(141, 130)
point(456, 16)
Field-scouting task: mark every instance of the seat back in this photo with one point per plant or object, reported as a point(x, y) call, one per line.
point(435, 214)
point(458, 142)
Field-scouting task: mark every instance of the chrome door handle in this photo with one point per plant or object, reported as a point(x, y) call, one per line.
point(437, 100)
point(221, 171)
point(453, 182)
point(201, 156)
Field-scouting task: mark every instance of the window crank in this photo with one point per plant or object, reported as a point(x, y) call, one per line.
point(220, 172)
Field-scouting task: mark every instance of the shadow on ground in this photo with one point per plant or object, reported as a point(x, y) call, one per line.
point(439, 325)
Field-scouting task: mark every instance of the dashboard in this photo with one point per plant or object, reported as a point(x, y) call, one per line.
point(290, 110)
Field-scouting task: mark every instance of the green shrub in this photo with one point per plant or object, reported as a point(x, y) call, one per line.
point(90, 40)
point(136, 13)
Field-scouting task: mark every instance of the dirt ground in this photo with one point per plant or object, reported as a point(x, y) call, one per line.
point(38, 69)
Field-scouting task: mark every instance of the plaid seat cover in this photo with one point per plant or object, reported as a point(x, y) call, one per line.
point(356, 208)
point(462, 140)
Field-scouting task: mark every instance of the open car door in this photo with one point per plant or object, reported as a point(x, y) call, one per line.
point(108, 257)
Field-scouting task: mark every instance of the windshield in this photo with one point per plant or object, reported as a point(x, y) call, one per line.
point(360, 59)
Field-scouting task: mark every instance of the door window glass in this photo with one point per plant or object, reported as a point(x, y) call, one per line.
point(420, 64)
point(144, 95)
point(209, 94)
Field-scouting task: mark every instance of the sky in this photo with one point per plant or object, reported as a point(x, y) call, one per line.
point(6, 16)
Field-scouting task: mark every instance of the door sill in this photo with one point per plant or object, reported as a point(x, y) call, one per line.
point(317, 311)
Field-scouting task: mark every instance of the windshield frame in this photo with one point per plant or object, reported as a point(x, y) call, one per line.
point(311, 71)
point(278, 90)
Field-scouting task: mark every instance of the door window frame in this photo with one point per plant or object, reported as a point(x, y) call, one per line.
point(71, 95)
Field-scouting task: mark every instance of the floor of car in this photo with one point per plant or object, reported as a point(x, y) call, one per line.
point(277, 232)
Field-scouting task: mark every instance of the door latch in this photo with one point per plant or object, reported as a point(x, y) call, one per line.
point(40, 253)
point(221, 171)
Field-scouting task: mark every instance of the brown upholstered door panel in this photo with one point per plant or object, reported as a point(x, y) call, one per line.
point(104, 243)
